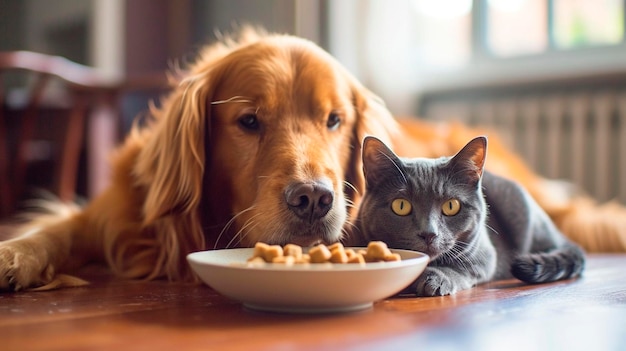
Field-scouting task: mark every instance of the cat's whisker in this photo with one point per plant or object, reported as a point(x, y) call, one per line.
point(464, 259)
point(462, 254)
point(491, 228)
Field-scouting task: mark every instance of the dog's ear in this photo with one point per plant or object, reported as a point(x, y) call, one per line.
point(170, 167)
point(374, 119)
point(172, 162)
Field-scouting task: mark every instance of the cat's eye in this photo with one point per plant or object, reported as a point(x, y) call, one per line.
point(451, 207)
point(401, 207)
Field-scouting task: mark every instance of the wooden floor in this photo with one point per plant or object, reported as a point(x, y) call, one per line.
point(585, 314)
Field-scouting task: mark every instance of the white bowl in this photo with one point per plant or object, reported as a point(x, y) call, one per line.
point(312, 288)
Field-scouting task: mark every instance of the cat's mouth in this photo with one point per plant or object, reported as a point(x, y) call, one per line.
point(431, 249)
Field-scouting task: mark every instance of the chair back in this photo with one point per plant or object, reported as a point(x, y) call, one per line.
point(43, 96)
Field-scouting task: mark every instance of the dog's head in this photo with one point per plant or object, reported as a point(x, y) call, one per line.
point(262, 139)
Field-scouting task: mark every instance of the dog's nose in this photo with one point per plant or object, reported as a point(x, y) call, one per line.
point(310, 200)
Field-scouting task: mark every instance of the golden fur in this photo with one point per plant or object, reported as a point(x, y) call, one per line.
point(198, 177)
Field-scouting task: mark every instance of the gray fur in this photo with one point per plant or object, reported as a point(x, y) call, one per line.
point(500, 232)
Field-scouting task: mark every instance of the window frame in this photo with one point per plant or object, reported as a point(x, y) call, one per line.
point(486, 68)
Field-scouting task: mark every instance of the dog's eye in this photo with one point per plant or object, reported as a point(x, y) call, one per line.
point(333, 121)
point(249, 122)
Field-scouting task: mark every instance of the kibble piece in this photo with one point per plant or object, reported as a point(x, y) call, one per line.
point(338, 255)
point(255, 261)
point(305, 259)
point(319, 254)
point(260, 249)
point(357, 258)
point(293, 250)
point(350, 253)
point(335, 246)
point(287, 260)
point(290, 254)
point(273, 252)
point(392, 257)
point(376, 251)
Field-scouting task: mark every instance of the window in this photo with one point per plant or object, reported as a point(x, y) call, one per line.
point(516, 27)
point(402, 48)
point(509, 28)
point(522, 27)
point(443, 30)
point(579, 23)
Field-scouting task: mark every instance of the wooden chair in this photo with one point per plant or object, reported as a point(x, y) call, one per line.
point(76, 88)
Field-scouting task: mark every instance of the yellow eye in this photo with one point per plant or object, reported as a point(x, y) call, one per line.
point(401, 207)
point(451, 207)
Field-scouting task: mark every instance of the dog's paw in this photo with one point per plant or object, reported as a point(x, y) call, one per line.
point(22, 266)
point(434, 282)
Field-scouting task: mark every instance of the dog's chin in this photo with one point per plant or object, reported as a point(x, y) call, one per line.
point(291, 230)
point(314, 237)
point(325, 231)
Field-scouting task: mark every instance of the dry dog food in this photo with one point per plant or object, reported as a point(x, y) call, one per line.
point(290, 254)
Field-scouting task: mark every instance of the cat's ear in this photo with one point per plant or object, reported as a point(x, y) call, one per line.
point(378, 159)
point(471, 159)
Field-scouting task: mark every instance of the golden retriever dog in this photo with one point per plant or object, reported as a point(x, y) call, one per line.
point(259, 140)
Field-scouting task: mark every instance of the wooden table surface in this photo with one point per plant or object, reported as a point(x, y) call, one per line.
point(585, 314)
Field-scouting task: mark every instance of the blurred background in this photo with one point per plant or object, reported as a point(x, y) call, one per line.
point(548, 75)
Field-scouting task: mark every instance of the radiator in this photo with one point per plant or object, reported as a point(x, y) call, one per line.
point(577, 136)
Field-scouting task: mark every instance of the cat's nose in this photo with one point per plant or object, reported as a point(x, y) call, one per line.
point(428, 237)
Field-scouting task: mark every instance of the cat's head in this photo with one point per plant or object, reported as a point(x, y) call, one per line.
point(435, 206)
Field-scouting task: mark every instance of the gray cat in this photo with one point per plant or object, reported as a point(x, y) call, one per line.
point(474, 225)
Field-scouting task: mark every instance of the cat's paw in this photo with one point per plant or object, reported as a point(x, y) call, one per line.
point(21, 266)
point(434, 282)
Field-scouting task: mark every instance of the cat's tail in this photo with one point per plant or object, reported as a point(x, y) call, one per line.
point(567, 261)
